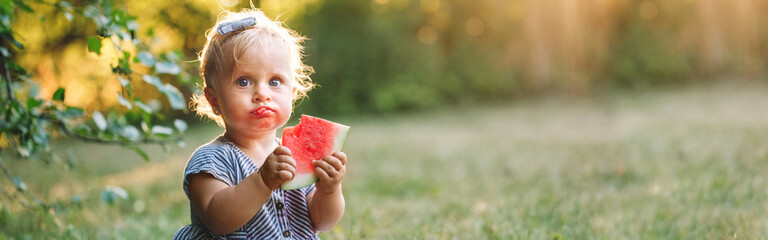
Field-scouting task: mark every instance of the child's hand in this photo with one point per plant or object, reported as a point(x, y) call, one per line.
point(330, 170)
point(278, 168)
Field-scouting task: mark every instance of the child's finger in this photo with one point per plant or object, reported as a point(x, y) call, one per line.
point(327, 168)
point(286, 167)
point(286, 159)
point(321, 173)
point(334, 162)
point(341, 156)
point(285, 175)
point(282, 150)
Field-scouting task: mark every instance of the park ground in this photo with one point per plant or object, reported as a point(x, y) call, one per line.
point(673, 163)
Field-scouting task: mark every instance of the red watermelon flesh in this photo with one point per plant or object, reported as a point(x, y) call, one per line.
point(312, 139)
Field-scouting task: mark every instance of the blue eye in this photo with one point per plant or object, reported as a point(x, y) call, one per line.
point(274, 82)
point(243, 82)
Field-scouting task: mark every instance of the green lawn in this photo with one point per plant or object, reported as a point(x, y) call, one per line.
point(666, 164)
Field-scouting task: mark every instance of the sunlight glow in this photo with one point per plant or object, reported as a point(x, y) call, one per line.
point(400, 4)
point(229, 3)
point(515, 10)
point(440, 19)
point(290, 11)
point(648, 10)
point(430, 6)
point(427, 34)
point(474, 27)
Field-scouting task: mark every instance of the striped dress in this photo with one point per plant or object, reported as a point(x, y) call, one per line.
point(285, 215)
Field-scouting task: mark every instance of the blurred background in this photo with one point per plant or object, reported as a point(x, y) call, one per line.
point(386, 56)
point(486, 119)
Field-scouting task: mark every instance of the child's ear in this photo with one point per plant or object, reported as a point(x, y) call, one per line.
point(210, 95)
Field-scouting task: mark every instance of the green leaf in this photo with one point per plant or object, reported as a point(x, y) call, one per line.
point(68, 16)
point(17, 68)
point(131, 133)
point(171, 56)
point(132, 25)
point(5, 126)
point(33, 88)
point(24, 6)
point(146, 58)
point(99, 120)
point(23, 151)
point(167, 67)
point(20, 185)
point(58, 95)
point(122, 101)
point(132, 116)
point(92, 12)
point(65, 5)
point(94, 44)
point(73, 112)
point(141, 153)
point(6, 8)
point(10, 38)
point(33, 102)
point(175, 98)
point(111, 194)
point(144, 107)
point(40, 136)
point(124, 35)
point(162, 130)
point(4, 52)
point(123, 82)
point(154, 80)
point(119, 17)
point(66, 8)
point(144, 125)
point(180, 125)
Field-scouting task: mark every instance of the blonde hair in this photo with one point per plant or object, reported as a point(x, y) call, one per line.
point(221, 52)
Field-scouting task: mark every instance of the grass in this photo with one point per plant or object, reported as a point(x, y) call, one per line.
point(673, 164)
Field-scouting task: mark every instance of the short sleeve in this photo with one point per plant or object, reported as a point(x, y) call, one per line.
point(211, 159)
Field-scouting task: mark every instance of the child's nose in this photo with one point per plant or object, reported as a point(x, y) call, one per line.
point(262, 95)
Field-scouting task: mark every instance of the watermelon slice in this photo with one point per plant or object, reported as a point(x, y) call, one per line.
point(312, 139)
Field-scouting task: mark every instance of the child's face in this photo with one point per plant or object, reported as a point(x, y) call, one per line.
point(257, 97)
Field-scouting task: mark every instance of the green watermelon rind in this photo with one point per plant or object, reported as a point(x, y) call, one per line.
point(306, 179)
point(299, 181)
point(343, 130)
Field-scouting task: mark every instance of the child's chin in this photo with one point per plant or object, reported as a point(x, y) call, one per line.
point(270, 123)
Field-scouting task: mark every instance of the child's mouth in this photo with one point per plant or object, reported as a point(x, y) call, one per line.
point(263, 112)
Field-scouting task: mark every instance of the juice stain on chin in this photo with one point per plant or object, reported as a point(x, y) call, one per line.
point(266, 122)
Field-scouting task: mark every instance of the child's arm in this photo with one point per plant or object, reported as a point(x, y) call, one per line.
point(225, 208)
point(326, 203)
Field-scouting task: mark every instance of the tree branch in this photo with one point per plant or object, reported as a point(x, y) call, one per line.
point(8, 81)
point(26, 193)
point(66, 131)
